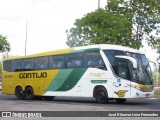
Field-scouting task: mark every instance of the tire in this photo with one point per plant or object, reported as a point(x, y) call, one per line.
point(121, 100)
point(29, 94)
point(19, 93)
point(101, 95)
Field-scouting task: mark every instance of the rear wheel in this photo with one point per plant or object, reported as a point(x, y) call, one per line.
point(101, 95)
point(19, 93)
point(121, 100)
point(29, 94)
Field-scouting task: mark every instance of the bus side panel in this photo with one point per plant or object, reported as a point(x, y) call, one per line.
point(34, 79)
point(64, 82)
point(45, 84)
point(79, 82)
point(98, 77)
point(8, 83)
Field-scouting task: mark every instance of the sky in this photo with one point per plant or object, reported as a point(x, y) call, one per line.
point(47, 22)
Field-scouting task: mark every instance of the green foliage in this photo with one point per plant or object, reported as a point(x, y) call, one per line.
point(100, 27)
point(122, 22)
point(4, 45)
point(158, 46)
point(144, 15)
point(156, 77)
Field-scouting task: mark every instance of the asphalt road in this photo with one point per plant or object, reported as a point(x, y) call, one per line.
point(10, 103)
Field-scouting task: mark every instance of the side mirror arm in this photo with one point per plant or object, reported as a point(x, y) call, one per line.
point(134, 62)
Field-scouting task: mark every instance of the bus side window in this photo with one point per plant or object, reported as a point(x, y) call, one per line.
point(7, 65)
point(41, 63)
point(56, 62)
point(27, 64)
point(75, 60)
point(17, 65)
point(94, 59)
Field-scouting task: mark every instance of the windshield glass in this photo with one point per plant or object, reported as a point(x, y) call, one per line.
point(143, 72)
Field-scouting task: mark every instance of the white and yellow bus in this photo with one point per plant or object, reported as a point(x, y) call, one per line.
point(104, 72)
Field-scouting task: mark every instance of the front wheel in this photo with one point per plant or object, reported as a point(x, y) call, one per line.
point(101, 95)
point(29, 94)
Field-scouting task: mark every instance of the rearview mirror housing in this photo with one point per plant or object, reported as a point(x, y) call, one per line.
point(134, 62)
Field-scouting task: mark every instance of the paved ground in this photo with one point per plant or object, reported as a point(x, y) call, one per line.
point(10, 103)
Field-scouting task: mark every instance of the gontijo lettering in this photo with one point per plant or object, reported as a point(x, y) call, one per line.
point(33, 75)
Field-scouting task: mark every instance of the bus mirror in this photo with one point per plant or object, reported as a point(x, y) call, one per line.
point(155, 65)
point(134, 62)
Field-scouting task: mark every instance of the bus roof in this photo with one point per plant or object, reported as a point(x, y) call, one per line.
point(80, 49)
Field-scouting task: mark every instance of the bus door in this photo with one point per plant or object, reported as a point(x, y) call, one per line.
point(121, 84)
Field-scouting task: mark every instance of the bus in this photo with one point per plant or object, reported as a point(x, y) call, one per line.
point(104, 72)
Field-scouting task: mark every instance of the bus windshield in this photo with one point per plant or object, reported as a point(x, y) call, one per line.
point(143, 72)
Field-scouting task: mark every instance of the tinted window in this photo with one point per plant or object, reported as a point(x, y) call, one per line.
point(111, 55)
point(7, 65)
point(112, 59)
point(120, 66)
point(93, 59)
point(27, 64)
point(56, 62)
point(123, 70)
point(144, 59)
point(41, 63)
point(75, 60)
point(16, 65)
point(136, 56)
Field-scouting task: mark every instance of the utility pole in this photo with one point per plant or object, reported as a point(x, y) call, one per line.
point(26, 38)
point(98, 4)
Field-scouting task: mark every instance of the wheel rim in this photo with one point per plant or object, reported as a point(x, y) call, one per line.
point(29, 94)
point(101, 95)
point(19, 93)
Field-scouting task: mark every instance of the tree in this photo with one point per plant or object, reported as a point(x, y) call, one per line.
point(4, 45)
point(100, 27)
point(144, 15)
point(123, 22)
point(158, 46)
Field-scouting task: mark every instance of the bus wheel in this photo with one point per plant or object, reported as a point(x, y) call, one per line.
point(101, 95)
point(19, 93)
point(29, 94)
point(120, 100)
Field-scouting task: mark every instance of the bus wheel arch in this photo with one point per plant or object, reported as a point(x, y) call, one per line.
point(101, 94)
point(20, 94)
point(29, 93)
